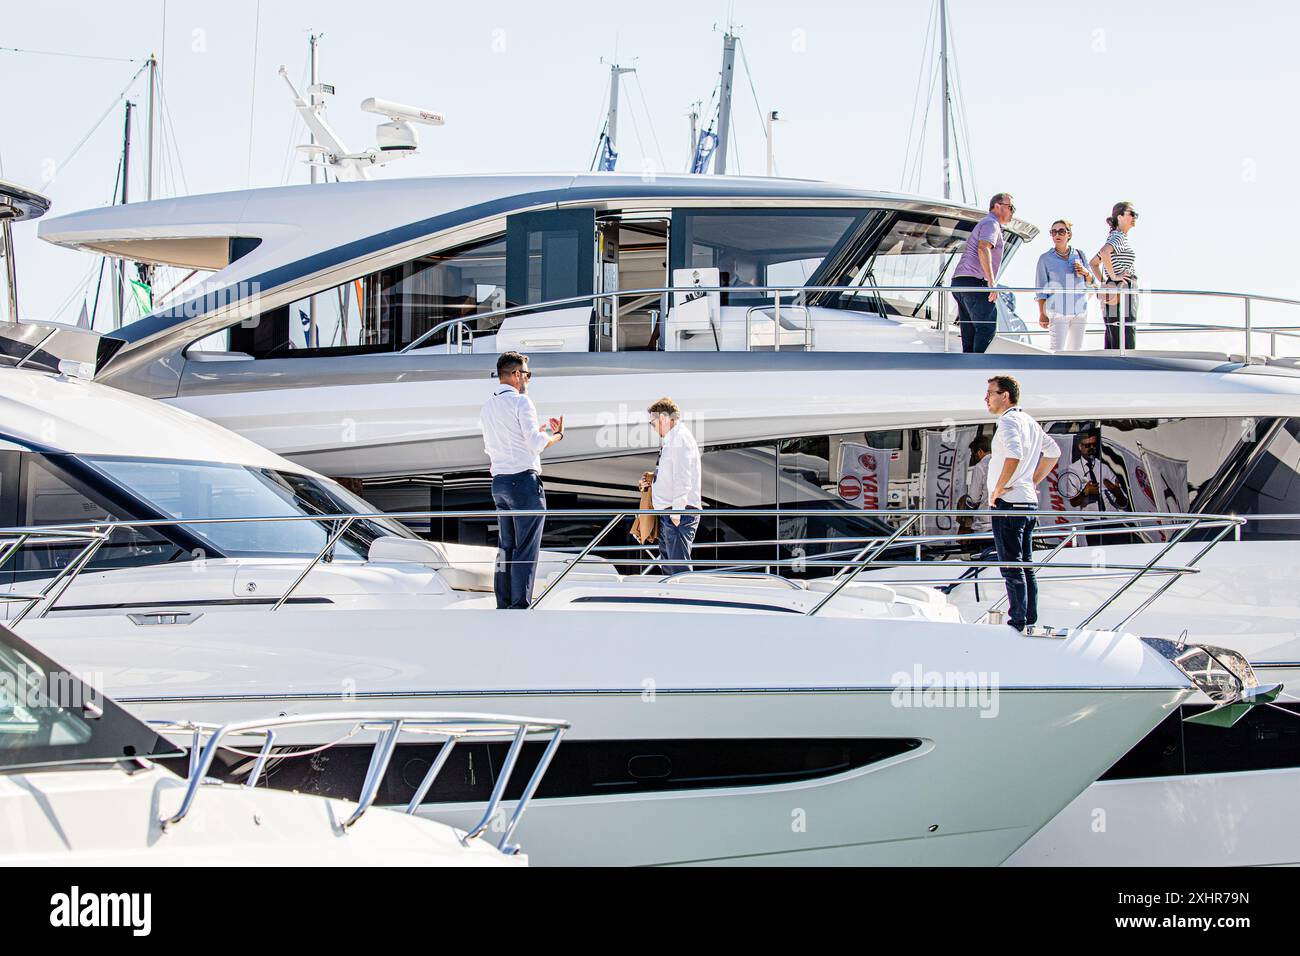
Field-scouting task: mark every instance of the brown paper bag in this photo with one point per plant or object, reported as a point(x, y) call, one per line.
point(645, 529)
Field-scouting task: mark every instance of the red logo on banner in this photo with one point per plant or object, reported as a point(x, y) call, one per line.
point(850, 488)
point(867, 461)
point(1144, 482)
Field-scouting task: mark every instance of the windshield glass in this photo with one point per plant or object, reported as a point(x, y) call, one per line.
point(50, 717)
point(195, 490)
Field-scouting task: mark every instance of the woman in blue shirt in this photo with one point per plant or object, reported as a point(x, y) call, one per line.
point(1063, 269)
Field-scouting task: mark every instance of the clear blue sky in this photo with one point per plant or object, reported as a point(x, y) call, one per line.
point(1186, 108)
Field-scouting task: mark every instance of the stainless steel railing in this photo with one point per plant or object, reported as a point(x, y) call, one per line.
point(92, 536)
point(452, 728)
point(1249, 328)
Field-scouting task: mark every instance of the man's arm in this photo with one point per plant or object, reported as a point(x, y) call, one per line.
point(1048, 459)
point(1008, 469)
point(536, 435)
point(986, 264)
point(1045, 466)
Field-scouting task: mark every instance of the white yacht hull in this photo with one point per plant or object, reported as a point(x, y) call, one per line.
point(1221, 819)
point(106, 817)
point(985, 773)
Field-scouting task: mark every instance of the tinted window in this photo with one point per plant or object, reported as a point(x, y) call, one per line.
point(52, 496)
point(384, 310)
point(48, 717)
point(762, 247)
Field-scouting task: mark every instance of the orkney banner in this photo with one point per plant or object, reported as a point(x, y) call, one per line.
point(1051, 494)
point(864, 476)
point(944, 456)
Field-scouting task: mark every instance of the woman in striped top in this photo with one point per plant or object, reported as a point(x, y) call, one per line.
point(1114, 267)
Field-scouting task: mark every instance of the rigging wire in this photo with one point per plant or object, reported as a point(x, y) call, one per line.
point(99, 122)
point(296, 122)
point(170, 126)
point(252, 97)
point(961, 100)
point(75, 56)
point(762, 118)
point(916, 96)
point(78, 290)
point(637, 131)
point(650, 118)
point(602, 123)
point(918, 158)
point(94, 310)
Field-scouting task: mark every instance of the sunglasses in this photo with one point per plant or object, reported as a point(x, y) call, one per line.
point(1060, 232)
point(1010, 206)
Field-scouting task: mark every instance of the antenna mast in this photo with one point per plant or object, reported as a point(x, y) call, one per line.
point(607, 155)
point(724, 103)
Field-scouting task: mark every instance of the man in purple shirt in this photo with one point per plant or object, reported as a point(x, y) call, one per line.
point(978, 267)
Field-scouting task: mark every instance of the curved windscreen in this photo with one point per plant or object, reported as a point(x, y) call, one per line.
point(49, 717)
point(192, 491)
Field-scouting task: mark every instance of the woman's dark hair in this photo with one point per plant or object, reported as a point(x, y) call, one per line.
point(1116, 211)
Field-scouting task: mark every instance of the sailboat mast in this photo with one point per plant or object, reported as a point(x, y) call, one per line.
point(119, 266)
point(947, 101)
point(724, 107)
point(149, 145)
point(312, 98)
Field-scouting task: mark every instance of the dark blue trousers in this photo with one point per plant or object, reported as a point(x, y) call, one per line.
point(978, 316)
point(1013, 535)
point(520, 539)
point(675, 541)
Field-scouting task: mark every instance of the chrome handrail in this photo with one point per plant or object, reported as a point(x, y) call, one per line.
point(452, 727)
point(1112, 522)
point(1249, 328)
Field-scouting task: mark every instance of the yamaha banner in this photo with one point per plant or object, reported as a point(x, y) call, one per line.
point(864, 476)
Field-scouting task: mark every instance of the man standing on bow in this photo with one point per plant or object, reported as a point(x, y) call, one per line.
point(978, 267)
point(676, 486)
point(1022, 456)
point(514, 442)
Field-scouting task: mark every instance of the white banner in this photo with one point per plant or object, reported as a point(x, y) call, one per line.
point(864, 476)
point(1168, 481)
point(943, 465)
point(1052, 492)
point(1141, 495)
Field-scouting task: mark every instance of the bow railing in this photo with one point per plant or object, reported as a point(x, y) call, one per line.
point(896, 549)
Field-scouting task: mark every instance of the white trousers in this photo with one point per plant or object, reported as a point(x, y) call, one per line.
point(1067, 331)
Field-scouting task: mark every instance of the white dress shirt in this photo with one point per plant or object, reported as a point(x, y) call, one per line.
point(1081, 472)
point(511, 434)
point(677, 477)
point(1019, 436)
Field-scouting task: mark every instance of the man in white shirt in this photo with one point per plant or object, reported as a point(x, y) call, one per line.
point(1090, 483)
point(1022, 456)
point(977, 490)
point(514, 442)
point(676, 486)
